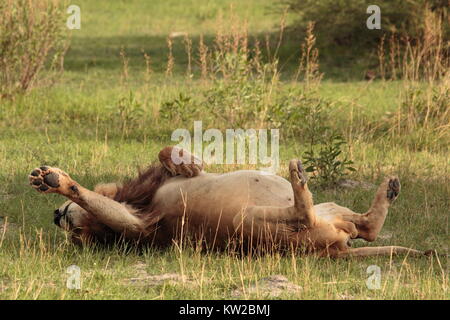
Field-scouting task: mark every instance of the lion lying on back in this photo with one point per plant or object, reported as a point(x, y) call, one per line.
point(242, 210)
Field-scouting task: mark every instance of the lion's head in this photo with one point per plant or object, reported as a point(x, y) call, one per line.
point(80, 223)
point(70, 216)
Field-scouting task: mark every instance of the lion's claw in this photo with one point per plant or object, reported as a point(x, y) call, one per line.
point(393, 189)
point(298, 174)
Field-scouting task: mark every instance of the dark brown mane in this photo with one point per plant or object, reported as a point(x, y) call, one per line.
point(139, 192)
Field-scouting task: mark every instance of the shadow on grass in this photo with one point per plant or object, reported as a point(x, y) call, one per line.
point(340, 63)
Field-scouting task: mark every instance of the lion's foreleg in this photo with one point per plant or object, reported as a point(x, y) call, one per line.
point(109, 212)
point(105, 210)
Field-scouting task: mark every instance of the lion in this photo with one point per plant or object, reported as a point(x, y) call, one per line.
point(242, 210)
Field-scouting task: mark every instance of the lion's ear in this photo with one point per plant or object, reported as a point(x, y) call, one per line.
point(108, 189)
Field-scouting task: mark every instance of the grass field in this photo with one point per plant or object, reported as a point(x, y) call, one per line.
point(75, 126)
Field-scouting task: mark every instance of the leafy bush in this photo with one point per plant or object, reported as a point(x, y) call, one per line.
point(246, 92)
point(344, 22)
point(179, 110)
point(239, 100)
point(30, 36)
point(300, 112)
point(240, 94)
point(326, 162)
point(308, 117)
point(127, 113)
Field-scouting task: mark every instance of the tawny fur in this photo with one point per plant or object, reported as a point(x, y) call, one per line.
point(241, 210)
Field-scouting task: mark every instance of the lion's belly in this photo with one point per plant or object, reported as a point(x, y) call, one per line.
point(239, 188)
point(210, 201)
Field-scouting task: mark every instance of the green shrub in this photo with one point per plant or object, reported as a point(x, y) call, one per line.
point(31, 36)
point(240, 95)
point(326, 160)
point(306, 117)
point(180, 110)
point(128, 113)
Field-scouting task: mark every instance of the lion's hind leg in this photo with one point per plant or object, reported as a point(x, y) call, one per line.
point(301, 214)
point(369, 224)
point(303, 208)
point(263, 227)
point(387, 192)
point(279, 225)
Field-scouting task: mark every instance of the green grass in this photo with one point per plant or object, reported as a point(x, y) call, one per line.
point(74, 125)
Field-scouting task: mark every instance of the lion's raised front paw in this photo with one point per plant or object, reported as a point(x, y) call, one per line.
point(51, 180)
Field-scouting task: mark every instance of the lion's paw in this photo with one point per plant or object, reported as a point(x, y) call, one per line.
point(297, 172)
point(180, 162)
point(393, 188)
point(50, 180)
